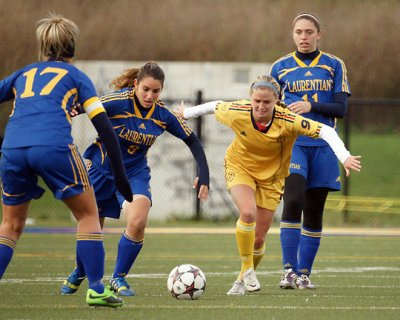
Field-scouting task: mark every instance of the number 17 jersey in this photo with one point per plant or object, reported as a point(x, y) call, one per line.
point(43, 94)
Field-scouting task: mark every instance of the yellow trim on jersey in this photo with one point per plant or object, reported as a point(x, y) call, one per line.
point(123, 116)
point(161, 124)
point(93, 107)
point(149, 113)
point(103, 154)
point(345, 83)
point(303, 65)
point(65, 100)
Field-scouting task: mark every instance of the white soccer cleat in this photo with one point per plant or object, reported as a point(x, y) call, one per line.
point(288, 279)
point(304, 282)
point(238, 289)
point(250, 280)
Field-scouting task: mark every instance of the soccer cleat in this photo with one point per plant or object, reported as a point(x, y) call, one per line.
point(72, 284)
point(288, 279)
point(303, 282)
point(120, 286)
point(105, 299)
point(238, 289)
point(250, 280)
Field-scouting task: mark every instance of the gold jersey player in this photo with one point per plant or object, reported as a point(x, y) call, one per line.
point(257, 162)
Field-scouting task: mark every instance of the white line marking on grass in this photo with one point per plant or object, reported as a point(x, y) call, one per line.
point(266, 307)
point(229, 274)
point(201, 307)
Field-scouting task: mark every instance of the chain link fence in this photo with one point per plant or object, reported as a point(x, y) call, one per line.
point(369, 198)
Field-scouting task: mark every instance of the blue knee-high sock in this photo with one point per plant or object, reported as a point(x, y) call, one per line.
point(309, 245)
point(290, 239)
point(128, 250)
point(79, 265)
point(90, 250)
point(6, 252)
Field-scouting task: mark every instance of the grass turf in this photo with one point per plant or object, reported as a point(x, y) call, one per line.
point(357, 278)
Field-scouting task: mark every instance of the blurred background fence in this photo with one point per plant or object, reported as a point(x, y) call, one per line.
point(246, 32)
point(370, 129)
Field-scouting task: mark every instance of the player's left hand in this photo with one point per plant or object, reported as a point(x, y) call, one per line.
point(76, 109)
point(352, 163)
point(300, 107)
point(203, 191)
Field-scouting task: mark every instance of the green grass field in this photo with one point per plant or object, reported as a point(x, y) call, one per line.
point(357, 278)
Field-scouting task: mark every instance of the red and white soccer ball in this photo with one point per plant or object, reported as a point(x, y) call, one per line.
point(186, 282)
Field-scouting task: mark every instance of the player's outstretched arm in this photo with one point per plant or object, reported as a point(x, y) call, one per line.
point(196, 111)
point(349, 162)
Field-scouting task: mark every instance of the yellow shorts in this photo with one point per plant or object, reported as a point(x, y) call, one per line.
point(268, 194)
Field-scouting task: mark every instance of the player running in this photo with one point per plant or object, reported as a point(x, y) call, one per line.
point(38, 142)
point(257, 162)
point(138, 117)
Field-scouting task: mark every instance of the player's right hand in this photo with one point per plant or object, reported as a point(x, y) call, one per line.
point(180, 109)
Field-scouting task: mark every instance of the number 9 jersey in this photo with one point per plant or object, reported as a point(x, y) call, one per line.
point(44, 93)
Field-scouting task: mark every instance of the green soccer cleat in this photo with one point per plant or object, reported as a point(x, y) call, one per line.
point(105, 299)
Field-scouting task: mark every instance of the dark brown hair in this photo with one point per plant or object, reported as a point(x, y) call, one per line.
point(127, 78)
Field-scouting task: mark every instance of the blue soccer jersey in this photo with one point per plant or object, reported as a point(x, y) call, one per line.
point(137, 129)
point(311, 80)
point(43, 94)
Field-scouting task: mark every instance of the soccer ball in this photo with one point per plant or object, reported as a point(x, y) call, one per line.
point(186, 282)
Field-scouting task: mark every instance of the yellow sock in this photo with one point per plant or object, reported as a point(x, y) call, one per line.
point(258, 254)
point(245, 235)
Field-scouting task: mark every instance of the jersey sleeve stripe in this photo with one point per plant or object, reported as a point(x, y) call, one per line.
point(93, 107)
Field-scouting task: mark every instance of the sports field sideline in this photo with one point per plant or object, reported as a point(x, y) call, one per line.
point(231, 230)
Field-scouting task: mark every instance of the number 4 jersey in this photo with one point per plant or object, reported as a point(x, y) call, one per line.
point(43, 94)
point(311, 80)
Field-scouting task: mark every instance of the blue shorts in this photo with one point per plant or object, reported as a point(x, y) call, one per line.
point(109, 200)
point(61, 168)
point(318, 165)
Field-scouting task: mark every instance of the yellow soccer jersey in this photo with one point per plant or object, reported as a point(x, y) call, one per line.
point(265, 155)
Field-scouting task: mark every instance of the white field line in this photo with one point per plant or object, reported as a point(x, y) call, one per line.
point(208, 307)
point(273, 230)
point(323, 272)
